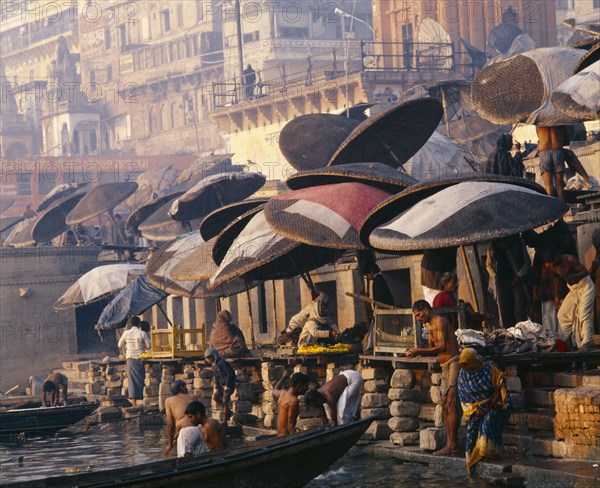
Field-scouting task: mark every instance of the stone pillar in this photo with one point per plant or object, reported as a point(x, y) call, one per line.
point(270, 375)
point(242, 397)
point(164, 389)
point(95, 384)
point(151, 385)
point(375, 403)
point(404, 408)
point(203, 388)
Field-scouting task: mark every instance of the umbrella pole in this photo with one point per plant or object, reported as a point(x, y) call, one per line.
point(218, 304)
point(480, 274)
point(470, 279)
point(309, 282)
point(164, 314)
point(112, 218)
point(274, 306)
point(252, 339)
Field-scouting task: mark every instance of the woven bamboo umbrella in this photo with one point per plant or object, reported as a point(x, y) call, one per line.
point(258, 252)
point(468, 212)
point(5, 204)
point(391, 137)
point(589, 58)
point(518, 89)
point(377, 175)
point(140, 214)
point(317, 216)
point(57, 193)
point(154, 181)
point(192, 249)
point(205, 166)
point(52, 221)
point(7, 222)
point(214, 223)
point(162, 228)
point(100, 199)
point(308, 141)
point(20, 235)
point(213, 192)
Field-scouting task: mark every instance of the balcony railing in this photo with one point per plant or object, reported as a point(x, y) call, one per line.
point(286, 74)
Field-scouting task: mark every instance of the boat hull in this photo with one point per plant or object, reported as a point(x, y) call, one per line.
point(290, 461)
point(42, 420)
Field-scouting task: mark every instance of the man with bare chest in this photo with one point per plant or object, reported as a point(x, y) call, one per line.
point(175, 412)
point(340, 395)
point(551, 141)
point(575, 315)
point(288, 404)
point(443, 344)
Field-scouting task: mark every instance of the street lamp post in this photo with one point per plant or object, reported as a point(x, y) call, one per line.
point(238, 22)
point(341, 13)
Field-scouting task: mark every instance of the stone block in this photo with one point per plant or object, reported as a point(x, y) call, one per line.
point(168, 378)
point(93, 388)
point(270, 421)
point(517, 401)
point(566, 380)
point(257, 411)
point(185, 376)
point(241, 376)
point(244, 418)
point(271, 373)
point(377, 413)
point(591, 380)
point(113, 392)
point(427, 412)
point(405, 438)
point(378, 430)
point(375, 400)
point(306, 411)
point(376, 386)
point(151, 381)
point(150, 391)
point(150, 402)
point(405, 409)
point(114, 384)
point(513, 383)
point(432, 439)
point(512, 371)
point(543, 397)
point(242, 407)
point(436, 394)
point(405, 394)
point(540, 421)
point(311, 423)
point(403, 378)
point(269, 408)
point(82, 366)
point(436, 379)
point(438, 419)
point(373, 374)
point(590, 453)
point(110, 414)
point(403, 424)
point(202, 383)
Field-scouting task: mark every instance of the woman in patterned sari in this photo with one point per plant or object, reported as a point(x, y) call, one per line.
point(486, 405)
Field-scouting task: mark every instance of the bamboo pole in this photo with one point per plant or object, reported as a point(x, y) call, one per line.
point(470, 279)
point(252, 339)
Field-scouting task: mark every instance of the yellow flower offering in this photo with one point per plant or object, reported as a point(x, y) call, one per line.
point(336, 349)
point(146, 355)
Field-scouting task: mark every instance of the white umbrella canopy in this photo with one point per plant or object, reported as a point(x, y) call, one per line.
point(99, 283)
point(440, 157)
point(579, 96)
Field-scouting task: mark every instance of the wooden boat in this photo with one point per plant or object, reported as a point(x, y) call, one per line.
point(290, 461)
point(43, 420)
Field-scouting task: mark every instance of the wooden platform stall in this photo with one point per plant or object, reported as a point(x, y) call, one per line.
point(177, 342)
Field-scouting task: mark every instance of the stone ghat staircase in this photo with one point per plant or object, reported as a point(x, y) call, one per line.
point(540, 427)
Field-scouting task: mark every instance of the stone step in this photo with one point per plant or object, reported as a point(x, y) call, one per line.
point(537, 419)
point(539, 397)
point(535, 379)
point(526, 445)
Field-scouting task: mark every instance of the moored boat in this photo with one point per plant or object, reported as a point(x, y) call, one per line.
point(290, 461)
point(43, 419)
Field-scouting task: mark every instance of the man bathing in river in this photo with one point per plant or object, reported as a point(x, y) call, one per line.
point(56, 385)
point(341, 396)
point(442, 342)
point(203, 435)
point(175, 412)
point(288, 404)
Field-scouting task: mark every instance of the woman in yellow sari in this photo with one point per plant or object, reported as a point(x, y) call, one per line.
point(486, 405)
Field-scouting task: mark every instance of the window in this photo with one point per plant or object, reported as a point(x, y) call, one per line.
point(107, 38)
point(24, 184)
point(179, 15)
point(92, 76)
point(596, 3)
point(166, 20)
point(109, 74)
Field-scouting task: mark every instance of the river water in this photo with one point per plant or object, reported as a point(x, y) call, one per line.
point(121, 444)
